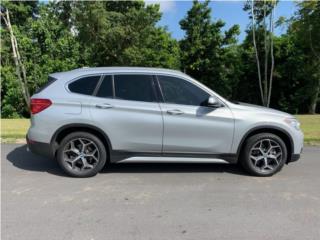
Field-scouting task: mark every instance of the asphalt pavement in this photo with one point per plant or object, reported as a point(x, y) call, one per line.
point(158, 201)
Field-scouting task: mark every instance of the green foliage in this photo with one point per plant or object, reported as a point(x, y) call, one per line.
point(296, 81)
point(305, 35)
point(260, 8)
point(20, 11)
point(208, 54)
point(63, 35)
point(45, 45)
point(123, 33)
point(12, 104)
point(158, 50)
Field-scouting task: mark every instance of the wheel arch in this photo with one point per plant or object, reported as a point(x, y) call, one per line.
point(77, 127)
point(280, 132)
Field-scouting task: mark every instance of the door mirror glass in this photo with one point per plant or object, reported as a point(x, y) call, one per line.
point(213, 102)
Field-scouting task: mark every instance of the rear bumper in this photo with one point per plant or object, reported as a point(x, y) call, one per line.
point(39, 148)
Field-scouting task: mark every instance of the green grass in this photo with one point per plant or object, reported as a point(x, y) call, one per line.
point(13, 130)
point(310, 125)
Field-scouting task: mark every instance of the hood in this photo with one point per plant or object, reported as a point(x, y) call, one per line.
point(260, 109)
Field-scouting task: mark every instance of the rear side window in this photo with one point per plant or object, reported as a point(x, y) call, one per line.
point(134, 87)
point(85, 85)
point(105, 89)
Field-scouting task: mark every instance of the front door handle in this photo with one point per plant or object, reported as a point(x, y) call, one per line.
point(104, 106)
point(175, 112)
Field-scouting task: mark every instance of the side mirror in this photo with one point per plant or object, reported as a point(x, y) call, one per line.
point(213, 102)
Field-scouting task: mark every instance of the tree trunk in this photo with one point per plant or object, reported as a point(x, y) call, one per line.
point(314, 100)
point(266, 56)
point(20, 69)
point(256, 50)
point(272, 55)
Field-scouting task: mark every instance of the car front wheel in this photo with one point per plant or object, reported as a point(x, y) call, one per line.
point(263, 154)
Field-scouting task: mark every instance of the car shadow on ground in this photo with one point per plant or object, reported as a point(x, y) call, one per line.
point(23, 159)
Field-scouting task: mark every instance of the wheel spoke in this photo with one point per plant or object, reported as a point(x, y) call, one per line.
point(72, 148)
point(268, 167)
point(256, 159)
point(91, 154)
point(85, 164)
point(83, 144)
point(266, 155)
point(72, 161)
point(81, 154)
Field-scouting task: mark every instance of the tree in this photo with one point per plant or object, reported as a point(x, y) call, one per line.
point(63, 35)
point(19, 65)
point(205, 48)
point(259, 11)
point(305, 31)
point(123, 33)
point(60, 36)
point(45, 46)
point(14, 91)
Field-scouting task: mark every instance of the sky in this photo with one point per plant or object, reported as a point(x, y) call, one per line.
point(229, 11)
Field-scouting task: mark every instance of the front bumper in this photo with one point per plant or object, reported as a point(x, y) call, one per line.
point(297, 137)
point(294, 157)
point(40, 148)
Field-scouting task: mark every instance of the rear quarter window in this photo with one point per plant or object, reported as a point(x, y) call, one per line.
point(47, 84)
point(85, 85)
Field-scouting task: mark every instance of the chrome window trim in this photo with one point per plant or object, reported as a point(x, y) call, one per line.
point(154, 74)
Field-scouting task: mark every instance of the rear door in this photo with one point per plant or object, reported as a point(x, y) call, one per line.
point(126, 108)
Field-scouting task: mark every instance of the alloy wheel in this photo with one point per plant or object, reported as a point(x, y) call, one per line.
point(266, 155)
point(81, 154)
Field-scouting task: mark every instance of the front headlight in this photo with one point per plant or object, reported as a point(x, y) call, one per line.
point(293, 122)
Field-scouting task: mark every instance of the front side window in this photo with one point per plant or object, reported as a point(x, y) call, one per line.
point(179, 91)
point(85, 85)
point(134, 87)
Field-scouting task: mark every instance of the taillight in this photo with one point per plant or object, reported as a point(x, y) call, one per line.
point(38, 104)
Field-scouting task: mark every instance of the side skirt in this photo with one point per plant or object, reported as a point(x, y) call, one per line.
point(123, 156)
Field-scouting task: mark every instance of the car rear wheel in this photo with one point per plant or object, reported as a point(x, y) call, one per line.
point(263, 154)
point(81, 154)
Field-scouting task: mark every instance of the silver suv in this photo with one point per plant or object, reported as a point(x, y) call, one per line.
point(89, 117)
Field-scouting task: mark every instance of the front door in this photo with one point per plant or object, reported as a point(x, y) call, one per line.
point(190, 127)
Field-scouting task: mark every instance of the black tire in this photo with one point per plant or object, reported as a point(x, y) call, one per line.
point(98, 164)
point(247, 162)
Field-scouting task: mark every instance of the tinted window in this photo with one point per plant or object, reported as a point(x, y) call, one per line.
point(105, 89)
point(134, 87)
point(180, 91)
point(84, 85)
point(50, 81)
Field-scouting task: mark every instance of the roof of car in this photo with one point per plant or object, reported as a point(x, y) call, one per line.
point(100, 70)
point(133, 69)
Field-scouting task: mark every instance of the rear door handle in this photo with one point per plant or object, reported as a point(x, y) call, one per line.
point(104, 106)
point(175, 112)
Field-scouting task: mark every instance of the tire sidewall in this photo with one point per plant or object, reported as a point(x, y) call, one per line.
point(247, 163)
point(100, 146)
